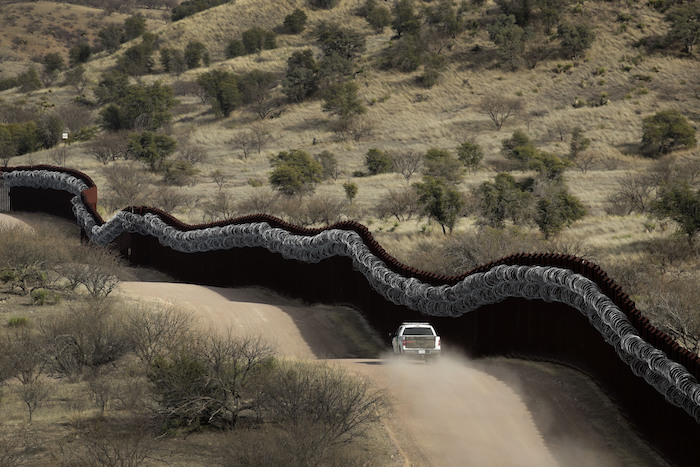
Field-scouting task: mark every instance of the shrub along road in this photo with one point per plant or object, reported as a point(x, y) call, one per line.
point(455, 412)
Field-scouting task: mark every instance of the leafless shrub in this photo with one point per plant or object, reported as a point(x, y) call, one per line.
point(157, 330)
point(219, 207)
point(585, 161)
point(76, 116)
point(499, 108)
point(127, 185)
point(402, 204)
point(219, 178)
point(90, 334)
point(244, 142)
point(359, 128)
point(324, 210)
point(33, 394)
point(228, 380)
point(193, 155)
point(118, 447)
point(109, 147)
point(634, 194)
point(94, 267)
point(322, 407)
point(674, 309)
point(262, 201)
point(13, 447)
point(59, 155)
point(103, 389)
point(169, 199)
point(560, 129)
point(407, 163)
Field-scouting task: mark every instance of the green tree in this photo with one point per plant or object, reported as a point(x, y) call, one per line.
point(519, 148)
point(406, 20)
point(443, 19)
point(684, 22)
point(379, 17)
point(221, 89)
point(520, 10)
point(255, 87)
point(579, 142)
point(295, 172)
point(235, 48)
point(111, 37)
point(341, 99)
point(350, 190)
point(505, 199)
point(405, 54)
point(556, 210)
point(441, 201)
point(256, 39)
point(441, 163)
point(548, 166)
point(146, 107)
point(470, 153)
point(53, 64)
point(337, 40)
point(150, 148)
point(30, 80)
point(511, 39)
point(666, 131)
point(301, 79)
point(679, 202)
point(112, 86)
point(295, 22)
point(138, 59)
point(378, 161)
point(196, 54)
point(134, 26)
point(172, 60)
point(325, 4)
point(77, 79)
point(79, 53)
point(576, 38)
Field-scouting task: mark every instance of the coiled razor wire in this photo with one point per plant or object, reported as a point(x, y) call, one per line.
point(550, 284)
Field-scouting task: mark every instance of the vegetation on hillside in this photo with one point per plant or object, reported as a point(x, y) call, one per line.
point(562, 125)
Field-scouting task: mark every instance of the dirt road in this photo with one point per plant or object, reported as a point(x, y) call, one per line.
point(452, 413)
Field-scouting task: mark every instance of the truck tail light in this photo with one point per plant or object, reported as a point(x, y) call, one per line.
point(438, 342)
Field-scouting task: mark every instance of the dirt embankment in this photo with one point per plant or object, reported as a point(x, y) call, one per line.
point(488, 413)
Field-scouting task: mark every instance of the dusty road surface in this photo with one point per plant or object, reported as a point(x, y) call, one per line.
point(452, 413)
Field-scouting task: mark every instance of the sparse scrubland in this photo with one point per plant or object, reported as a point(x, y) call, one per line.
point(458, 132)
point(90, 378)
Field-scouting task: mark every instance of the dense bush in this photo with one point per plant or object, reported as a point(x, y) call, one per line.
point(221, 90)
point(378, 161)
point(666, 131)
point(257, 39)
point(136, 106)
point(235, 48)
point(294, 172)
point(325, 4)
point(191, 7)
point(295, 22)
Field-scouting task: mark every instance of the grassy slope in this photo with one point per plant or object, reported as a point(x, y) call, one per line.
point(449, 114)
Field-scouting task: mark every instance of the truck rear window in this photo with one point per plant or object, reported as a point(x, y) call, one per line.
point(417, 332)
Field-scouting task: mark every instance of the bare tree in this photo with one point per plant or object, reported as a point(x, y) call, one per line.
point(634, 194)
point(192, 154)
point(228, 379)
point(585, 161)
point(245, 142)
point(402, 204)
point(261, 135)
point(94, 267)
point(33, 394)
point(324, 210)
point(499, 108)
point(158, 330)
point(169, 199)
point(259, 202)
point(13, 446)
point(59, 155)
point(321, 407)
point(127, 185)
point(220, 207)
point(92, 333)
point(219, 178)
point(109, 147)
point(407, 163)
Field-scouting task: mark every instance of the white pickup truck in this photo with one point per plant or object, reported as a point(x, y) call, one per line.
point(417, 340)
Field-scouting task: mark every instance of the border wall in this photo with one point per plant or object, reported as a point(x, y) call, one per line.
point(513, 326)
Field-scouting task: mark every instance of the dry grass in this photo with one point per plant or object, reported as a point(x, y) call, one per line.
point(406, 116)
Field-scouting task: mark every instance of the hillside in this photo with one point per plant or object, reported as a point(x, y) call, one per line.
point(607, 92)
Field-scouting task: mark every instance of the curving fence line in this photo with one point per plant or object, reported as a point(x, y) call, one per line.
point(567, 280)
